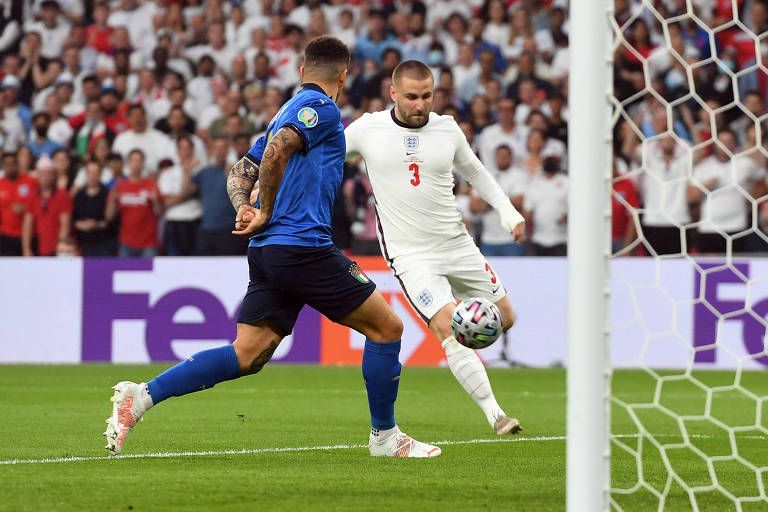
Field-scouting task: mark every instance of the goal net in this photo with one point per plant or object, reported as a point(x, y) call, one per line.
point(689, 281)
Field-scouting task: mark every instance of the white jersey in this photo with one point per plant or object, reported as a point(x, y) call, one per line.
point(410, 170)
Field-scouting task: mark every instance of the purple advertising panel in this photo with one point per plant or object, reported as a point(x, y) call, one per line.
point(103, 305)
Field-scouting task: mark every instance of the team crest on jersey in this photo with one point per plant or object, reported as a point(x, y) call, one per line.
point(411, 141)
point(425, 298)
point(308, 116)
point(358, 274)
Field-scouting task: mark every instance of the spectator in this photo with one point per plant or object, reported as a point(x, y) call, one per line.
point(113, 109)
point(95, 235)
point(526, 70)
point(11, 129)
point(92, 128)
point(546, 210)
point(530, 99)
point(98, 34)
point(624, 201)
point(16, 190)
point(718, 182)
point(217, 47)
point(215, 236)
point(178, 125)
point(138, 202)
point(62, 168)
point(98, 153)
point(497, 30)
point(154, 144)
point(182, 212)
point(503, 132)
point(66, 247)
point(359, 205)
point(495, 240)
point(371, 45)
point(53, 29)
point(663, 191)
point(466, 67)
point(478, 83)
point(39, 142)
point(59, 130)
point(48, 214)
point(9, 88)
point(558, 125)
point(480, 116)
point(533, 160)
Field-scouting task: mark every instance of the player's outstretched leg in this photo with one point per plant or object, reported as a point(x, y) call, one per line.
point(253, 347)
point(470, 372)
point(381, 372)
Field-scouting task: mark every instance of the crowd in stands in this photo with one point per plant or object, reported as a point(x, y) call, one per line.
point(120, 119)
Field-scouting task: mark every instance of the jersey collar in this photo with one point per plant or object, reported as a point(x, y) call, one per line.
point(402, 124)
point(313, 87)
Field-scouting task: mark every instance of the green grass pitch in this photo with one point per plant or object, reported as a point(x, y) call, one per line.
point(58, 412)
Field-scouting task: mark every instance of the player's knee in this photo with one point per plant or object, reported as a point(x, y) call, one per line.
point(254, 349)
point(391, 329)
point(440, 324)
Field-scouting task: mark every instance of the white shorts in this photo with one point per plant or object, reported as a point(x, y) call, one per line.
point(456, 270)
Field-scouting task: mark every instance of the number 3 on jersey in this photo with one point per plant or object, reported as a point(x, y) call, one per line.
point(415, 180)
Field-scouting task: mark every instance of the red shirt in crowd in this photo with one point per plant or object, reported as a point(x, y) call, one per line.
point(47, 213)
point(621, 215)
point(138, 222)
point(98, 39)
point(18, 191)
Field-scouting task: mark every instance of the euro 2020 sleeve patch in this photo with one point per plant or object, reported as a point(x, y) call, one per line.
point(308, 116)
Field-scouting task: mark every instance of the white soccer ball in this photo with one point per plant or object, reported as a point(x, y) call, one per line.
point(477, 323)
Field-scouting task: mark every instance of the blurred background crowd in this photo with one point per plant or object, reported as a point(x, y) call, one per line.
point(119, 120)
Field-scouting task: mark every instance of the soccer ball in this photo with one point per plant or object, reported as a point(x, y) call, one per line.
point(476, 323)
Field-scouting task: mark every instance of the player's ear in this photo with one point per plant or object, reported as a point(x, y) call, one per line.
point(343, 78)
point(392, 94)
point(301, 73)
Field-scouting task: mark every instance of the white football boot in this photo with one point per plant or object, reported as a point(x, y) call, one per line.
point(504, 425)
point(400, 444)
point(129, 403)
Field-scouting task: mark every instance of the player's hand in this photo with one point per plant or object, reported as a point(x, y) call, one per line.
point(518, 233)
point(249, 221)
point(512, 221)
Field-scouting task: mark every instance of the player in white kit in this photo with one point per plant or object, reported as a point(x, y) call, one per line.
point(409, 153)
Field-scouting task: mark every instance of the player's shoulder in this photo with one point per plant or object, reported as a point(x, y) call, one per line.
point(380, 117)
point(311, 108)
point(441, 122)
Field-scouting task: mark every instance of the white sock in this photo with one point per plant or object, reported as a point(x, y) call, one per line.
point(470, 372)
point(380, 436)
point(146, 398)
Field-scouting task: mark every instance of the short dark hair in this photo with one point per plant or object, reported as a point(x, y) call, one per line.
point(394, 50)
point(137, 106)
point(326, 56)
point(412, 69)
point(137, 150)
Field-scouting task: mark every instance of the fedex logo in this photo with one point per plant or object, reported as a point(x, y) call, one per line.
point(102, 306)
point(711, 310)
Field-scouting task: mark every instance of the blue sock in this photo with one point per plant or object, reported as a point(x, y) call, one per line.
point(381, 372)
point(201, 371)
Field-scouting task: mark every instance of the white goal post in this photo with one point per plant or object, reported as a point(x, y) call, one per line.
point(589, 253)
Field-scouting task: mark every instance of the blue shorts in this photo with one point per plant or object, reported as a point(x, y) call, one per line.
point(283, 278)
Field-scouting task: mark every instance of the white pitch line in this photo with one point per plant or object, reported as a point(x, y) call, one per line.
point(166, 455)
point(163, 455)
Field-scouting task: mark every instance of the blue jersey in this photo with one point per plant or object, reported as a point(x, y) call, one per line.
point(304, 203)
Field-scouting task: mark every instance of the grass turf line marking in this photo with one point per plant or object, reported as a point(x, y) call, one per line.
point(245, 451)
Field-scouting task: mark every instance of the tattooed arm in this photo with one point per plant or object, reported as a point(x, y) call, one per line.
point(279, 150)
point(240, 182)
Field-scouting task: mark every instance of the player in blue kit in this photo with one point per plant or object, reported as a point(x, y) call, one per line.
point(292, 262)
